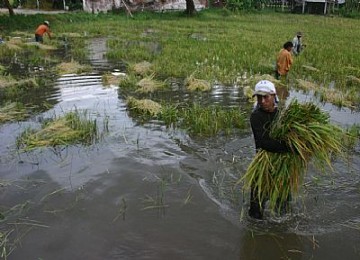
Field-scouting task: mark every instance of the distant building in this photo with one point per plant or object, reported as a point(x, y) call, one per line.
point(96, 6)
point(316, 6)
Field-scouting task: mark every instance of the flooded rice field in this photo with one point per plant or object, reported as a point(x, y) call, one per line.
point(149, 192)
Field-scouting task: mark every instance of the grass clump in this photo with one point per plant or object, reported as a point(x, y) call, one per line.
point(12, 111)
point(72, 128)
point(310, 136)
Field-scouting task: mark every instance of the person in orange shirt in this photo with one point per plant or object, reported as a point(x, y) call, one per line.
point(284, 60)
point(42, 28)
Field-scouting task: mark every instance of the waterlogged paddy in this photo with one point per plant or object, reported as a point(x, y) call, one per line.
point(147, 192)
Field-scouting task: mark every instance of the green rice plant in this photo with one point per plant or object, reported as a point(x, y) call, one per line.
point(170, 114)
point(128, 82)
point(72, 128)
point(310, 137)
point(203, 121)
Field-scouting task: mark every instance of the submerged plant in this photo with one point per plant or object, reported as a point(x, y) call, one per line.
point(72, 128)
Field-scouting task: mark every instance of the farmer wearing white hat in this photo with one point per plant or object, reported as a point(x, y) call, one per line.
point(41, 30)
point(261, 119)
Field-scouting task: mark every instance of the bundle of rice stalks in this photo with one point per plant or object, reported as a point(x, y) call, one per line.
point(143, 106)
point(142, 68)
point(194, 84)
point(310, 136)
point(306, 85)
point(310, 68)
point(72, 128)
point(72, 67)
point(148, 85)
point(12, 111)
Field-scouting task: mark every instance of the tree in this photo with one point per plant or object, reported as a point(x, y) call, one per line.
point(190, 7)
point(8, 5)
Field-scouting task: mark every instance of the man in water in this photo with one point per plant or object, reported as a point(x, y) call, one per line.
point(41, 30)
point(261, 119)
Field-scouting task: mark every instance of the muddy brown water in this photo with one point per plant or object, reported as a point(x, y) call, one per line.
point(148, 192)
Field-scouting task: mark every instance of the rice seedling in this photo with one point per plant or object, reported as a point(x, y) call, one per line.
point(157, 202)
point(310, 137)
point(13, 111)
point(72, 128)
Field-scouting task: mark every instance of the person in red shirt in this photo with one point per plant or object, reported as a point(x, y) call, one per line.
point(42, 28)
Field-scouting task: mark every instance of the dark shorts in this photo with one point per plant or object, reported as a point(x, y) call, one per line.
point(39, 38)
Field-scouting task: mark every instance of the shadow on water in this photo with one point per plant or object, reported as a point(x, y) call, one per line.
point(148, 192)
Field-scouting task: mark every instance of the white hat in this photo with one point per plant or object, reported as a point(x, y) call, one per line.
point(47, 23)
point(264, 87)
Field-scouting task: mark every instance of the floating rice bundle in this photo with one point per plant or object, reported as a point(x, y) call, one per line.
point(335, 97)
point(148, 85)
point(142, 68)
point(194, 84)
point(352, 80)
point(306, 85)
point(143, 106)
point(73, 127)
point(310, 136)
point(12, 111)
point(310, 68)
point(72, 67)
